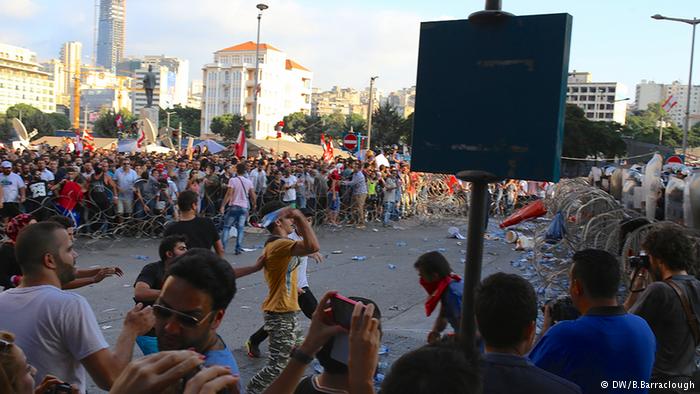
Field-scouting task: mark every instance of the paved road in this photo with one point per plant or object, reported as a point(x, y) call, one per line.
point(396, 290)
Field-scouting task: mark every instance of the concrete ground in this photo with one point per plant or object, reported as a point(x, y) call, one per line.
point(387, 276)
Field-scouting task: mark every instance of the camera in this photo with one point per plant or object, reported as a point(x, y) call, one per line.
point(61, 388)
point(637, 262)
point(562, 308)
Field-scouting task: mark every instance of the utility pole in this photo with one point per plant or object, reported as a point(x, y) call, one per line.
point(85, 116)
point(370, 108)
point(179, 136)
point(254, 128)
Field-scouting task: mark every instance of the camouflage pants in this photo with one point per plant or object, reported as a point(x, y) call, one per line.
point(282, 328)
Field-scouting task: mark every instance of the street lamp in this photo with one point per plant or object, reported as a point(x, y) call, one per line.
point(262, 7)
point(369, 114)
point(693, 22)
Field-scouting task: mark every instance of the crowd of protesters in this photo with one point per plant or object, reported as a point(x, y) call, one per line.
point(52, 340)
point(100, 189)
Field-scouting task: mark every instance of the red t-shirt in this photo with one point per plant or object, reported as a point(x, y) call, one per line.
point(335, 176)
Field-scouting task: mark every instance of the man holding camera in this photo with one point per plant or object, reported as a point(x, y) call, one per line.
point(662, 292)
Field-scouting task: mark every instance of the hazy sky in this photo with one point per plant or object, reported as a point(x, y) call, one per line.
point(345, 42)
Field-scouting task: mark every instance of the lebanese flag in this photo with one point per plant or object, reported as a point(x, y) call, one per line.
point(241, 144)
point(669, 103)
point(142, 137)
point(119, 121)
point(89, 140)
point(327, 147)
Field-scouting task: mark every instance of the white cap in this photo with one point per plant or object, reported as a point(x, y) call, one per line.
point(6, 164)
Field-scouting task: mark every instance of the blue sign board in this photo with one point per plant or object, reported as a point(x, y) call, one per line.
point(490, 96)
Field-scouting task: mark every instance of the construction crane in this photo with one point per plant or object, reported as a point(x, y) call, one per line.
point(76, 99)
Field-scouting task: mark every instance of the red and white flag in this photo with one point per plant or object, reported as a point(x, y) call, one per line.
point(327, 148)
point(119, 121)
point(88, 140)
point(142, 137)
point(669, 103)
point(241, 144)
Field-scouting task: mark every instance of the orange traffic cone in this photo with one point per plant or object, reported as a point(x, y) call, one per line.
point(532, 210)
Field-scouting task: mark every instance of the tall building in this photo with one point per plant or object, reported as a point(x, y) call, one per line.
point(284, 87)
point(71, 53)
point(23, 81)
point(57, 74)
point(404, 100)
point(648, 92)
point(598, 100)
point(111, 35)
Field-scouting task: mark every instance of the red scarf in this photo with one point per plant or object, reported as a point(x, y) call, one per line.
point(435, 290)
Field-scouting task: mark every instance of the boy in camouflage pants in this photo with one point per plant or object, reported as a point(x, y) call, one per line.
point(281, 305)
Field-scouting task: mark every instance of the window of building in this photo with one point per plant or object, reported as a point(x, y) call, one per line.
point(584, 90)
point(591, 98)
point(589, 114)
point(608, 116)
point(590, 106)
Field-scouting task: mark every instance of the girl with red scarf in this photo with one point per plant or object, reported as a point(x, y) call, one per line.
point(443, 287)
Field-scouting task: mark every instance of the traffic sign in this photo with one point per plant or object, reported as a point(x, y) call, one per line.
point(350, 142)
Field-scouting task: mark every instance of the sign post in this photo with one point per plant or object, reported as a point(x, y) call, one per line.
point(508, 77)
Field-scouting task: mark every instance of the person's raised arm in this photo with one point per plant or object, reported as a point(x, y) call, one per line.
point(320, 332)
point(309, 244)
point(104, 366)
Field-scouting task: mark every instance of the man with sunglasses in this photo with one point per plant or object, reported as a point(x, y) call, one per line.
point(191, 306)
point(150, 281)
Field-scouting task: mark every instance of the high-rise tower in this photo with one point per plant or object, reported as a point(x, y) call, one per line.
point(111, 36)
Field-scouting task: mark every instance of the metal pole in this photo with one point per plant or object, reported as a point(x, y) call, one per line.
point(254, 127)
point(85, 117)
point(179, 137)
point(167, 122)
point(474, 254)
point(686, 129)
point(493, 5)
point(369, 116)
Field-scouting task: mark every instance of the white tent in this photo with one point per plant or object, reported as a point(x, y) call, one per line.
point(212, 146)
point(157, 149)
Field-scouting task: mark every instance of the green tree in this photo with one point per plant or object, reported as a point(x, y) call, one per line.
point(106, 123)
point(387, 126)
point(645, 125)
point(32, 118)
point(295, 123)
point(406, 134)
point(190, 118)
point(357, 123)
point(229, 125)
point(583, 138)
point(59, 121)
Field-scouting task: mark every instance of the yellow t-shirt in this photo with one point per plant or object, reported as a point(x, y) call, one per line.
point(281, 277)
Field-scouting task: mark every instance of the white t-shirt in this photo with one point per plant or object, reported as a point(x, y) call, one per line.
point(302, 279)
point(55, 328)
point(10, 186)
point(291, 193)
point(47, 175)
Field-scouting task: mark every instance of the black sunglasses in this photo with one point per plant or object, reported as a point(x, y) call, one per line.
point(163, 312)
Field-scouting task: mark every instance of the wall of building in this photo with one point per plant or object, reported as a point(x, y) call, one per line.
point(23, 81)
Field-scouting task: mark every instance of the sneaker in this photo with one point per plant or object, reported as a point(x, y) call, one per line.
point(252, 350)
